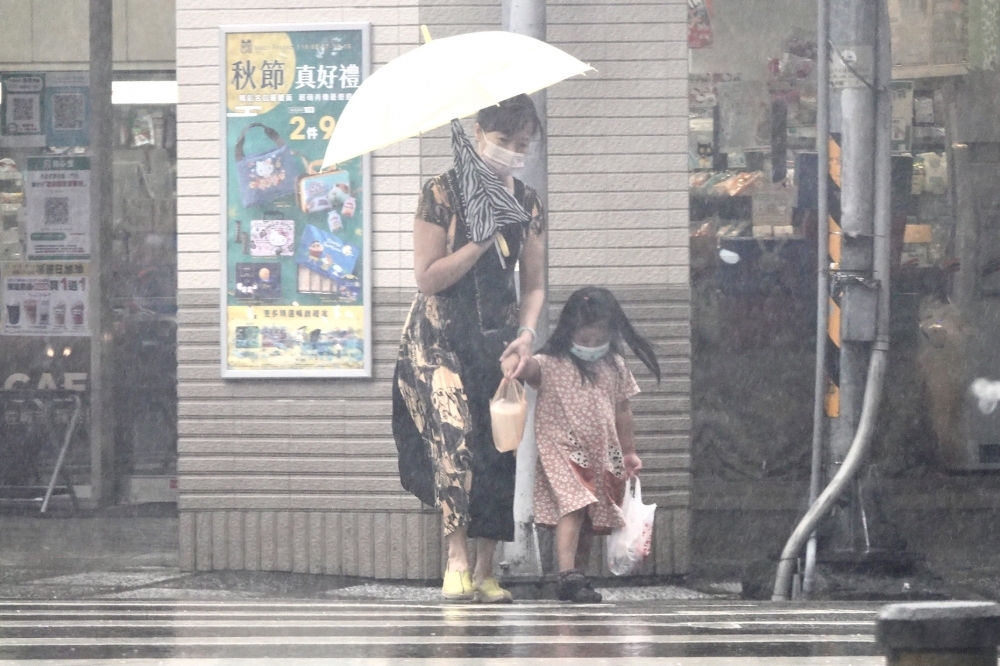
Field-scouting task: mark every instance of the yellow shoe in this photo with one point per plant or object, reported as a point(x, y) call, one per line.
point(490, 592)
point(458, 586)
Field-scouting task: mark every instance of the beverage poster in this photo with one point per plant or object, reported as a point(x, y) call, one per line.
point(296, 238)
point(46, 298)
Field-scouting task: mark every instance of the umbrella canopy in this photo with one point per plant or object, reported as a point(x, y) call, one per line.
point(444, 79)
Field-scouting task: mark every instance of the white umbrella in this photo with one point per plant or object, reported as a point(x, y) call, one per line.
point(444, 79)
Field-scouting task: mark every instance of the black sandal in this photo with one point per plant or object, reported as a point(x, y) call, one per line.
point(573, 586)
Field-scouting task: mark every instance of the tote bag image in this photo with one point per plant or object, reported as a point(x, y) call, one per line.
point(630, 545)
point(272, 238)
point(266, 176)
point(508, 413)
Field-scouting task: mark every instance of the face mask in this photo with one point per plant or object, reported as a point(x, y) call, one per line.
point(589, 354)
point(504, 162)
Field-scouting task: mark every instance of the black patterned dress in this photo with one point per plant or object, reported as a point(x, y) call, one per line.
point(449, 368)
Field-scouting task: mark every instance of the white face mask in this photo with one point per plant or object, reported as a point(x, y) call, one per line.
point(589, 354)
point(504, 162)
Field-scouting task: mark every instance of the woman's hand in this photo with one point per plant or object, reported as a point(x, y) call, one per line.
point(518, 352)
point(633, 465)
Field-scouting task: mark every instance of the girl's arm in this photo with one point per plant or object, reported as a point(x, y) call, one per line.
point(625, 425)
point(532, 288)
point(530, 371)
point(435, 269)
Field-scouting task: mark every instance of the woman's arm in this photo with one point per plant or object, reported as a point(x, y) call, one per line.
point(435, 269)
point(532, 289)
point(625, 425)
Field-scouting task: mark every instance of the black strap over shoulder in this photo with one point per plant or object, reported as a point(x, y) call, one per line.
point(271, 134)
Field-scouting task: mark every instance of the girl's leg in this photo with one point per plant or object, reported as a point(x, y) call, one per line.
point(585, 545)
point(573, 547)
point(567, 539)
point(458, 550)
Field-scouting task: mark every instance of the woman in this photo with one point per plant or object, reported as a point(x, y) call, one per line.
point(473, 225)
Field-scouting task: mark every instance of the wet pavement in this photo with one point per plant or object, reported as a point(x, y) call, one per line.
point(89, 589)
point(685, 633)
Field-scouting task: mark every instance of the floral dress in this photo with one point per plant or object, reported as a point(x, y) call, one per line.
point(447, 371)
point(580, 461)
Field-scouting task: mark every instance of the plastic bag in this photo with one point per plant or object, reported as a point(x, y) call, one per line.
point(508, 412)
point(629, 546)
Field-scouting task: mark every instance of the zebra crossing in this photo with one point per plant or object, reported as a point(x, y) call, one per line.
point(287, 633)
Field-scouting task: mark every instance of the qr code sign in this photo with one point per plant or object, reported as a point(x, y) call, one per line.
point(22, 108)
point(56, 210)
point(68, 111)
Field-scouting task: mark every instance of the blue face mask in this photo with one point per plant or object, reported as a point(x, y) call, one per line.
point(589, 354)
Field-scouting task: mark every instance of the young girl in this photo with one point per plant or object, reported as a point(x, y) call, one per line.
point(584, 427)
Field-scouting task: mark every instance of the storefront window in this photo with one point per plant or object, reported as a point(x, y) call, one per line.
point(45, 275)
point(752, 163)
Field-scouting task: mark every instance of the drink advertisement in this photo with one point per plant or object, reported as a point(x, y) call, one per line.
point(46, 298)
point(296, 237)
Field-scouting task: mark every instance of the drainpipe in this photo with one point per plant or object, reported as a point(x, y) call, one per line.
point(879, 356)
point(823, 265)
point(522, 557)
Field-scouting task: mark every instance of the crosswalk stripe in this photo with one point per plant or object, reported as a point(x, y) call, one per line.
point(396, 633)
point(427, 640)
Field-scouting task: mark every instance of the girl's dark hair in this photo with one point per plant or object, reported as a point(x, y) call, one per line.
point(510, 116)
point(593, 305)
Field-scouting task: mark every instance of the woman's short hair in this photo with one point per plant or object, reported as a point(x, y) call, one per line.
point(510, 116)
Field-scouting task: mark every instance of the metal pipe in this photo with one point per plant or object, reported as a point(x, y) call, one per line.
point(823, 268)
point(879, 357)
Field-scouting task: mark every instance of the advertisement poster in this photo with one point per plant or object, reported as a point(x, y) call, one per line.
point(296, 239)
point(57, 196)
point(67, 109)
point(22, 111)
point(45, 298)
point(42, 109)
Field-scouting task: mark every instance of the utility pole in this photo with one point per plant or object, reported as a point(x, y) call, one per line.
point(853, 28)
point(102, 413)
point(523, 558)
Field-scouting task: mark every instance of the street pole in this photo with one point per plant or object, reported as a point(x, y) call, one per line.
point(853, 26)
point(102, 413)
point(523, 558)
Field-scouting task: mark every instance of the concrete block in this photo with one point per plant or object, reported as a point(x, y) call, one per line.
point(939, 632)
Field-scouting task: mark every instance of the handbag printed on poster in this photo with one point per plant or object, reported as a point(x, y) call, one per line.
point(319, 192)
point(266, 176)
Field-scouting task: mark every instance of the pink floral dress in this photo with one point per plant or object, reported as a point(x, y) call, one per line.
point(580, 462)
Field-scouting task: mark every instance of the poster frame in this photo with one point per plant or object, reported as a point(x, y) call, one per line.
point(292, 373)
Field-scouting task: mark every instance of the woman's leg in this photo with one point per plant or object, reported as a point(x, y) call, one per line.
point(458, 550)
point(567, 539)
point(485, 548)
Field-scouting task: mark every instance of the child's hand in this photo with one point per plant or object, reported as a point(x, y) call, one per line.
point(509, 365)
point(633, 465)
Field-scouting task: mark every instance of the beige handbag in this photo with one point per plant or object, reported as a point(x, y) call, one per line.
point(508, 412)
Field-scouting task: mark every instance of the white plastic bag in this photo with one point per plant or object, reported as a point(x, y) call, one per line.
point(508, 412)
point(629, 546)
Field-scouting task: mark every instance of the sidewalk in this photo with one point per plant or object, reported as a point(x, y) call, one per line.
point(131, 553)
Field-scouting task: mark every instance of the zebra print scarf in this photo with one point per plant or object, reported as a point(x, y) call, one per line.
point(488, 204)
